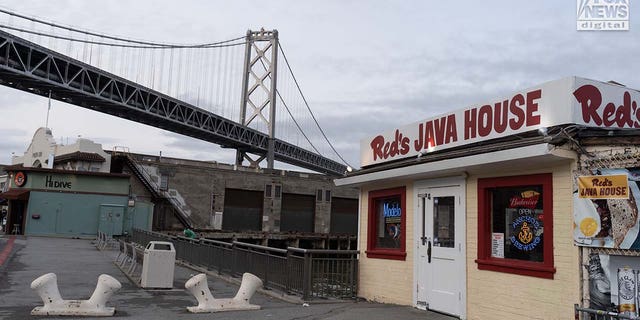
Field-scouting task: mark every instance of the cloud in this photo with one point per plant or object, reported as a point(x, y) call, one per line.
point(395, 64)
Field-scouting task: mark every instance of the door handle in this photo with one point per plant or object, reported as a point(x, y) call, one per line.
point(424, 240)
point(429, 252)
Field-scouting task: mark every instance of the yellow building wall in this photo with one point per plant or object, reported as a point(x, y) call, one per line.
point(384, 280)
point(490, 294)
point(497, 295)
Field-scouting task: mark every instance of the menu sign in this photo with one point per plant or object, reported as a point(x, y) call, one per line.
point(497, 245)
point(605, 209)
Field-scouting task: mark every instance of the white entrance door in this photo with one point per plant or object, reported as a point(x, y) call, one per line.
point(441, 274)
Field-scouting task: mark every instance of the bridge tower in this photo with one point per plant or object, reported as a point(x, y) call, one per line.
point(258, 102)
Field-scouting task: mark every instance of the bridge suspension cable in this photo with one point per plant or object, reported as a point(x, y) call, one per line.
point(295, 80)
point(174, 73)
point(193, 73)
point(293, 118)
point(220, 44)
point(148, 45)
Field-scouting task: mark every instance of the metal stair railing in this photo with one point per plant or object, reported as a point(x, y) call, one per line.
point(154, 188)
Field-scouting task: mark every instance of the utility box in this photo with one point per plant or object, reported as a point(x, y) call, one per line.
point(158, 265)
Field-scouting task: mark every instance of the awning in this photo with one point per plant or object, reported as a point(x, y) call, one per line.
point(476, 164)
point(15, 194)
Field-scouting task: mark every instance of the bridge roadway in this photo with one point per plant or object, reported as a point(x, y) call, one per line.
point(77, 263)
point(35, 69)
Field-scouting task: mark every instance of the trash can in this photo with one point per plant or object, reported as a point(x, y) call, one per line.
point(158, 265)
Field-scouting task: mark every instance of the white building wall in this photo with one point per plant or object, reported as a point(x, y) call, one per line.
point(43, 144)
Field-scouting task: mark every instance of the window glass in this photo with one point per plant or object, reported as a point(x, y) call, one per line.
point(278, 191)
point(517, 223)
point(164, 182)
point(386, 224)
point(389, 216)
point(444, 222)
point(267, 190)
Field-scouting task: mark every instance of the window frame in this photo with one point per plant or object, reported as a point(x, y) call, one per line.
point(372, 224)
point(268, 190)
point(544, 269)
point(164, 183)
point(277, 191)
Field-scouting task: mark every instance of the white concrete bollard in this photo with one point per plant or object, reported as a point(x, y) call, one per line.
point(47, 288)
point(106, 287)
point(198, 287)
point(250, 283)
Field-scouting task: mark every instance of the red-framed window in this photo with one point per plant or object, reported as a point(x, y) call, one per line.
point(515, 225)
point(386, 230)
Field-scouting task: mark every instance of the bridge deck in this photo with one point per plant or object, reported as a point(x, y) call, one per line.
point(35, 69)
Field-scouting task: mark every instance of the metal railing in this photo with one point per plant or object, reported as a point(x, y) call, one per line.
point(311, 273)
point(592, 314)
point(147, 178)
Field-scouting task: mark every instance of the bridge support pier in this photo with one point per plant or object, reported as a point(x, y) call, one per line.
point(261, 69)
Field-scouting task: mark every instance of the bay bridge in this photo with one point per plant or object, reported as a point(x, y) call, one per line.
point(235, 93)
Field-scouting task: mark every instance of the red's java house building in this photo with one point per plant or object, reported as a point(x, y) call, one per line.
point(507, 209)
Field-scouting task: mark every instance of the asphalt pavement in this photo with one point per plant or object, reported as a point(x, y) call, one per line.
point(77, 264)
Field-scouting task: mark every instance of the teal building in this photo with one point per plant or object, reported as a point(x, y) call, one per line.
point(57, 202)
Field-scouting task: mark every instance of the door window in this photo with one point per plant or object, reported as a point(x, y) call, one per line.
point(444, 223)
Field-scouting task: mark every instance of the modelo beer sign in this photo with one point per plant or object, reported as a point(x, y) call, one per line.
point(392, 213)
point(391, 210)
point(566, 101)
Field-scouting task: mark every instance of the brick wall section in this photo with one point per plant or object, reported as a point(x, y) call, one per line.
point(383, 280)
point(490, 295)
point(495, 295)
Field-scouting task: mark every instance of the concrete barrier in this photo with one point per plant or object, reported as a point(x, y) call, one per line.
point(46, 286)
point(199, 288)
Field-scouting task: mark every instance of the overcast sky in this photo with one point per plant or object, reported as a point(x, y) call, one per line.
point(364, 66)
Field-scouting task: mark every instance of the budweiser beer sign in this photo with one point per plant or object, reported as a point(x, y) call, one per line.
point(527, 199)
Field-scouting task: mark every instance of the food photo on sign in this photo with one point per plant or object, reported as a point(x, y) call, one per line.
point(606, 209)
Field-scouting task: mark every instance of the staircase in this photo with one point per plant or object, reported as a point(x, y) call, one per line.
point(154, 188)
